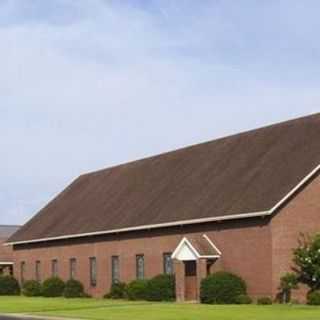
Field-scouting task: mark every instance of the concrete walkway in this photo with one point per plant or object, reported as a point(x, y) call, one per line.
point(29, 317)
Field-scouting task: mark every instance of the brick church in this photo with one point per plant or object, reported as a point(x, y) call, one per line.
point(237, 204)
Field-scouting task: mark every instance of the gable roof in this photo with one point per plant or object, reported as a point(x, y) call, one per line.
point(194, 247)
point(243, 175)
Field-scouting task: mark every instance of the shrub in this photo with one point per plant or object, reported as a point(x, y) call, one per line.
point(161, 288)
point(222, 288)
point(137, 290)
point(243, 299)
point(73, 289)
point(118, 291)
point(288, 282)
point(31, 288)
point(9, 286)
point(306, 259)
point(53, 287)
point(313, 298)
point(264, 301)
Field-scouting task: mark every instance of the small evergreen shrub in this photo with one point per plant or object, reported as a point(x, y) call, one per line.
point(313, 298)
point(243, 299)
point(31, 288)
point(118, 291)
point(264, 301)
point(73, 289)
point(137, 290)
point(222, 288)
point(161, 288)
point(53, 287)
point(9, 286)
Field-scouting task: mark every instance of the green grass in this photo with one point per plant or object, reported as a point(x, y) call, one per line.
point(124, 310)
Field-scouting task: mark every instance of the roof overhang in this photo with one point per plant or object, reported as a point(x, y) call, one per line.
point(304, 181)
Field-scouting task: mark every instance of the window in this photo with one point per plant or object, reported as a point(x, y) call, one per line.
point(54, 268)
point(115, 267)
point(93, 271)
point(73, 268)
point(140, 266)
point(167, 263)
point(38, 271)
point(22, 271)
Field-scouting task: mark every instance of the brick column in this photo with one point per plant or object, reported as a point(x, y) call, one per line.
point(201, 274)
point(180, 278)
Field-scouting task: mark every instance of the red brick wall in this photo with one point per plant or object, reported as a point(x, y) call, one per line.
point(301, 214)
point(5, 252)
point(245, 246)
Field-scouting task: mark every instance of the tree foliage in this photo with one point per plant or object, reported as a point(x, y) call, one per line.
point(307, 261)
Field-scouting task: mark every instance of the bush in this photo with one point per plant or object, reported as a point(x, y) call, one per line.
point(313, 298)
point(73, 289)
point(243, 299)
point(222, 288)
point(264, 301)
point(53, 287)
point(161, 288)
point(137, 290)
point(118, 291)
point(9, 286)
point(31, 288)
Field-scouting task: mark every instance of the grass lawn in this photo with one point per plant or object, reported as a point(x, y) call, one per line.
point(124, 310)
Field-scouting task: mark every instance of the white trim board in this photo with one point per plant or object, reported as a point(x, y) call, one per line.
point(179, 223)
point(5, 263)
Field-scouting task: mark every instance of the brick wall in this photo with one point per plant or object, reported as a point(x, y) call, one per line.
point(300, 215)
point(245, 246)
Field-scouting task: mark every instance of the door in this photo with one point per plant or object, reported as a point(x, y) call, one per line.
point(190, 280)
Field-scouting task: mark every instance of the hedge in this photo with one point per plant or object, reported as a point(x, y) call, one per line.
point(118, 290)
point(31, 288)
point(73, 289)
point(313, 298)
point(222, 288)
point(53, 287)
point(137, 290)
point(9, 286)
point(161, 288)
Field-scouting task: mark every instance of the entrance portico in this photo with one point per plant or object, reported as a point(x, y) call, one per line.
point(192, 259)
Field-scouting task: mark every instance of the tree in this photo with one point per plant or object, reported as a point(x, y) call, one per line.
point(307, 260)
point(288, 282)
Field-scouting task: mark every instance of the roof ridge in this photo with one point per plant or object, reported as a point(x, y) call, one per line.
point(267, 126)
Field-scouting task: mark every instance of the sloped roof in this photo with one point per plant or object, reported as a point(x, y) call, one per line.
point(7, 230)
point(244, 173)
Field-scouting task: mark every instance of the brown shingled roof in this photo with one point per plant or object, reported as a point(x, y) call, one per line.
point(244, 173)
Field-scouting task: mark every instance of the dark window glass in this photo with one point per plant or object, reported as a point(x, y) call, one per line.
point(167, 263)
point(73, 268)
point(115, 267)
point(93, 271)
point(38, 271)
point(140, 266)
point(54, 268)
point(22, 271)
point(190, 268)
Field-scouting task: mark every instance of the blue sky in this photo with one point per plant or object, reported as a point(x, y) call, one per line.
point(89, 84)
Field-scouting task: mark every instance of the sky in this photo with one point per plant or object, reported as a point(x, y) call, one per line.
point(88, 84)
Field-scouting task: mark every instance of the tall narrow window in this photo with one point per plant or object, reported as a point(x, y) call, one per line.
point(93, 271)
point(140, 266)
point(38, 271)
point(22, 271)
point(54, 268)
point(115, 267)
point(73, 268)
point(167, 263)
